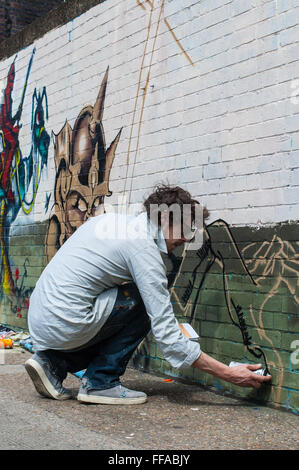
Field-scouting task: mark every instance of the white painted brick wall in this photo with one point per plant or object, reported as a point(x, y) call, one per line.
point(225, 126)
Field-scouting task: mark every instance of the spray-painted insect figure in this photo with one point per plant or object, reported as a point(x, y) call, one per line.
point(205, 258)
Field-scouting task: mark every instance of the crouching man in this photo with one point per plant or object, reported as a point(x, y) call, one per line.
point(102, 293)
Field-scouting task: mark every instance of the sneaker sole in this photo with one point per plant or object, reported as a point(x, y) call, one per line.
point(110, 401)
point(41, 382)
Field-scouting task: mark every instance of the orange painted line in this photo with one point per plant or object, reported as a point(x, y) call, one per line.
point(140, 4)
point(178, 42)
point(144, 96)
point(136, 99)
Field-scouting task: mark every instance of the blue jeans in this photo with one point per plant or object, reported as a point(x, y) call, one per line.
point(106, 356)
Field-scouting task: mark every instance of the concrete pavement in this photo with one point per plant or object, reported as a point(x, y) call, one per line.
point(176, 416)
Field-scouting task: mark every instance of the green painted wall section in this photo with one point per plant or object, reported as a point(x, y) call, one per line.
point(27, 260)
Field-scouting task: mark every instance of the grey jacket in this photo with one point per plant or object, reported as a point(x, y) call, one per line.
point(76, 292)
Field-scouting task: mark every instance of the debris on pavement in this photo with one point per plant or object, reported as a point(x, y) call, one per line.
point(26, 343)
point(6, 343)
point(10, 338)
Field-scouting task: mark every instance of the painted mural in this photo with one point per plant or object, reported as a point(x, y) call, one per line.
point(205, 258)
point(261, 268)
point(83, 167)
point(19, 178)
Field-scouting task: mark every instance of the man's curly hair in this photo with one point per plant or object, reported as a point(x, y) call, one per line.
point(169, 195)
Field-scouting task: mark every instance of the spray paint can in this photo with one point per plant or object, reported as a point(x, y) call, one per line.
point(257, 372)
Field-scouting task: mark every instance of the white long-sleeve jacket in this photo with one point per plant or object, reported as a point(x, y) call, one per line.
point(75, 293)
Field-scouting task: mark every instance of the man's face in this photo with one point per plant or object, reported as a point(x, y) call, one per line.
point(172, 241)
point(175, 235)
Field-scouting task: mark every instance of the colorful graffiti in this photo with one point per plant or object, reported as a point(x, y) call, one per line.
point(83, 167)
point(17, 173)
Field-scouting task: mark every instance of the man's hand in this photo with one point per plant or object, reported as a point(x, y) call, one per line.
point(244, 377)
point(239, 375)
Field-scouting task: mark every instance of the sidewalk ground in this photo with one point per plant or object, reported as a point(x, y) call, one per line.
point(176, 417)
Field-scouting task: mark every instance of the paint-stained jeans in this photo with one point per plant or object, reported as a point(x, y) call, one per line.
point(105, 357)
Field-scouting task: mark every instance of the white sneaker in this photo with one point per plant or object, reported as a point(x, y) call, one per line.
point(118, 395)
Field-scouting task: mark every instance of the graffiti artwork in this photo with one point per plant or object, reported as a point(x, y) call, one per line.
point(19, 174)
point(83, 167)
point(255, 262)
point(206, 254)
point(278, 260)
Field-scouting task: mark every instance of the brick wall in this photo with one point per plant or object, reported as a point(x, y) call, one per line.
point(204, 95)
point(17, 14)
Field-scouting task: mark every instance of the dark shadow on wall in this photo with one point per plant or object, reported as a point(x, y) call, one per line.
point(62, 14)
